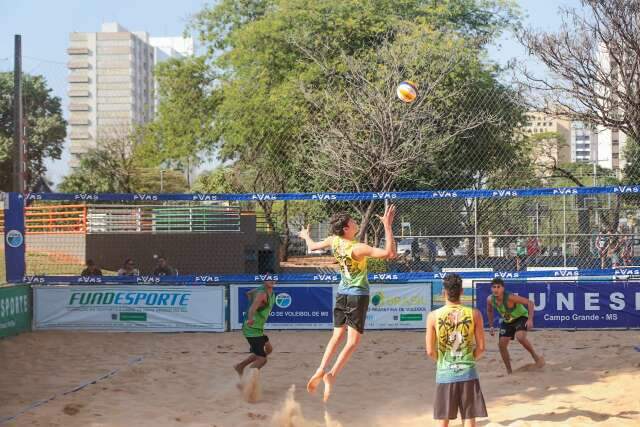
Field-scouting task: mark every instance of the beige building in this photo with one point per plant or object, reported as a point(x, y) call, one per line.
point(111, 84)
point(548, 150)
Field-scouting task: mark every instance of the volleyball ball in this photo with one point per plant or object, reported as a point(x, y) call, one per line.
point(407, 91)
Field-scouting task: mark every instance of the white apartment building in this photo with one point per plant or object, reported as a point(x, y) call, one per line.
point(584, 143)
point(111, 84)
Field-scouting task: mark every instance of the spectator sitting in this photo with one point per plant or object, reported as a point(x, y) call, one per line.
point(163, 268)
point(91, 269)
point(128, 269)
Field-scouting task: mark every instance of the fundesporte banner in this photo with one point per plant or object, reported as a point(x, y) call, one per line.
point(130, 308)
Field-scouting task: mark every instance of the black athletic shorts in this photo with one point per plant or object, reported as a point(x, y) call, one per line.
point(351, 310)
point(256, 345)
point(510, 329)
point(465, 396)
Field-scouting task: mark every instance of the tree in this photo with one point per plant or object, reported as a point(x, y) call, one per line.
point(595, 63)
point(261, 51)
point(112, 168)
point(367, 140)
point(183, 127)
point(44, 124)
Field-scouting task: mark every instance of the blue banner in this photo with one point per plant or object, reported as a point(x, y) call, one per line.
point(219, 279)
point(300, 306)
point(328, 197)
point(14, 236)
point(579, 305)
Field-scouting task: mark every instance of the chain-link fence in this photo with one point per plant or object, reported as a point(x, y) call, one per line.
point(502, 230)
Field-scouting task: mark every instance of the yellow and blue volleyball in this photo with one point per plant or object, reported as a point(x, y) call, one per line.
point(407, 91)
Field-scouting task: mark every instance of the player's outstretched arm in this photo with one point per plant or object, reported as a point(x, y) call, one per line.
point(312, 245)
point(362, 250)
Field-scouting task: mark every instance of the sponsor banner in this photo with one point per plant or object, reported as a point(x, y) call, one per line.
point(443, 194)
point(401, 306)
point(129, 308)
point(310, 306)
point(560, 273)
point(579, 305)
point(14, 229)
point(15, 309)
point(297, 306)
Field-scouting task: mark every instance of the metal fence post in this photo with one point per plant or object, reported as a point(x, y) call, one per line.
point(475, 232)
point(564, 229)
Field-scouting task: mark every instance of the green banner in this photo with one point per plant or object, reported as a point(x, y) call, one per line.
point(15, 309)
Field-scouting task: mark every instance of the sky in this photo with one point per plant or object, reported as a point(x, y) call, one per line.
point(45, 26)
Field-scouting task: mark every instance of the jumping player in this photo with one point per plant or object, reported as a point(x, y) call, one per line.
point(517, 318)
point(455, 341)
point(352, 299)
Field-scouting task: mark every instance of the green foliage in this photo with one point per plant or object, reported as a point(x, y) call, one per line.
point(376, 265)
point(183, 127)
point(45, 126)
point(112, 169)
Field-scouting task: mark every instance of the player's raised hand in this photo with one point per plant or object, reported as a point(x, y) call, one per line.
point(305, 233)
point(389, 215)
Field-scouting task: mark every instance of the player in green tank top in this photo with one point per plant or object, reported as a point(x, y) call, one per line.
point(455, 341)
point(261, 302)
point(516, 313)
point(352, 298)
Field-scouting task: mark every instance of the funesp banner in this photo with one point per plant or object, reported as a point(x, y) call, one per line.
point(310, 306)
point(580, 305)
point(130, 308)
point(296, 306)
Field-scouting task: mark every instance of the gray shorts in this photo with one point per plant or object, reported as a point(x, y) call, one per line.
point(465, 396)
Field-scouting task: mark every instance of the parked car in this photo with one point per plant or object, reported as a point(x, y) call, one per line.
point(404, 246)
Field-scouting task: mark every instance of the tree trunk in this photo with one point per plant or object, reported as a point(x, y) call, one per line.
point(364, 224)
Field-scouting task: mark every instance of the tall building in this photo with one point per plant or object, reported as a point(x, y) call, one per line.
point(584, 143)
point(611, 141)
point(111, 84)
point(546, 151)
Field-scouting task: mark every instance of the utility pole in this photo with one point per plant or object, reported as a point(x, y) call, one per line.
point(19, 155)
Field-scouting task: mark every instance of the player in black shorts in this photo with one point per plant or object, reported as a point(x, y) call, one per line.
point(517, 318)
point(352, 300)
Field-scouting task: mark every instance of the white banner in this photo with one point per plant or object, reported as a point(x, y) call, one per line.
point(129, 308)
point(402, 306)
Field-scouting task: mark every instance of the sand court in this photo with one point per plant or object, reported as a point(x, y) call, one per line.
point(126, 379)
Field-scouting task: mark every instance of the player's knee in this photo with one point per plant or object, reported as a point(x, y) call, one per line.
point(522, 338)
point(262, 360)
point(338, 334)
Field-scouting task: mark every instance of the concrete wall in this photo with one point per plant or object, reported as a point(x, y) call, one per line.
point(191, 253)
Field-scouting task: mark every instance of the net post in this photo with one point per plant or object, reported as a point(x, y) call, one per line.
point(14, 236)
point(227, 307)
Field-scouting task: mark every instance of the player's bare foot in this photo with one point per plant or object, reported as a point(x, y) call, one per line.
point(238, 369)
point(313, 383)
point(328, 380)
point(540, 362)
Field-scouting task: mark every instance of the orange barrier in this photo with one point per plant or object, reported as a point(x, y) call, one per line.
point(56, 219)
